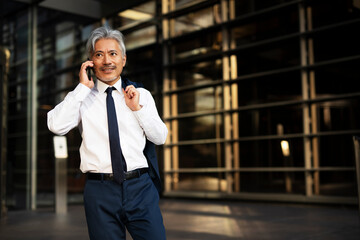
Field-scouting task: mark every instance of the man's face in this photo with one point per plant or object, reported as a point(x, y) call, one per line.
point(108, 60)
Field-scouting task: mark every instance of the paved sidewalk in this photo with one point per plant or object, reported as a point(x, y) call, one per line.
point(202, 220)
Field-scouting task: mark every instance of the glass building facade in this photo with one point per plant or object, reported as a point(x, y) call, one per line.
point(261, 97)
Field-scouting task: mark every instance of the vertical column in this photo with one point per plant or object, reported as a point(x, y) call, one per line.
point(234, 104)
point(174, 108)
point(356, 140)
point(4, 68)
point(218, 127)
point(305, 96)
point(166, 111)
point(32, 110)
point(166, 100)
point(314, 126)
point(170, 103)
point(174, 135)
point(227, 101)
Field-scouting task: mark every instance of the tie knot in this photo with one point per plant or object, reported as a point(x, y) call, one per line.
point(109, 90)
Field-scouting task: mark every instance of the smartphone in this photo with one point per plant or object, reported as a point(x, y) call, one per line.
point(88, 71)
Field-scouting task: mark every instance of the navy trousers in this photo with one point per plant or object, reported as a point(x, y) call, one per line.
point(134, 205)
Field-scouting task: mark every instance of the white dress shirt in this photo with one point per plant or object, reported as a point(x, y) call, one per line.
point(86, 108)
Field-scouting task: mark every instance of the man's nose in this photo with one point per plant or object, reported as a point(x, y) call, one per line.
point(106, 59)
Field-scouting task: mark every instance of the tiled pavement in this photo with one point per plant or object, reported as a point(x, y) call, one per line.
point(202, 220)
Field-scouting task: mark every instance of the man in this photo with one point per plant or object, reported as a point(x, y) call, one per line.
point(118, 127)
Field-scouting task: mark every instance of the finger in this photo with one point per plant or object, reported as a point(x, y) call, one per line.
point(83, 73)
point(87, 64)
point(128, 88)
point(131, 93)
point(127, 93)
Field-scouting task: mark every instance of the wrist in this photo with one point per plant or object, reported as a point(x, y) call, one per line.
point(137, 108)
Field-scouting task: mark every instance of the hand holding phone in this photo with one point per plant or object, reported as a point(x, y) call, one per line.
point(85, 74)
point(88, 71)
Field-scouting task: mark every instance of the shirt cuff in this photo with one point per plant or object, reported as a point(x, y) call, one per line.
point(80, 92)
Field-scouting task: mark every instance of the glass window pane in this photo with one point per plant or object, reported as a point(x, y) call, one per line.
point(265, 121)
point(19, 73)
point(141, 37)
point(194, 21)
point(338, 183)
point(205, 127)
point(207, 182)
point(269, 57)
point(140, 13)
point(198, 73)
point(17, 125)
point(268, 153)
point(201, 156)
point(17, 107)
point(273, 182)
point(337, 151)
point(186, 3)
point(340, 78)
point(343, 44)
point(200, 100)
point(203, 44)
point(267, 27)
point(338, 115)
point(270, 88)
point(338, 11)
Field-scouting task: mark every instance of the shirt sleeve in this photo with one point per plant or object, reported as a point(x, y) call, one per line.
point(66, 115)
point(149, 119)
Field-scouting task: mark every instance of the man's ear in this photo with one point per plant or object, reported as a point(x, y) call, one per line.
point(124, 61)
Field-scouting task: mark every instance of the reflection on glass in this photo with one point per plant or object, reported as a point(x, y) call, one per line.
point(196, 20)
point(208, 182)
point(140, 13)
point(141, 37)
point(186, 3)
point(199, 73)
point(200, 100)
point(340, 78)
point(270, 88)
point(268, 153)
point(269, 57)
point(264, 182)
point(267, 28)
point(334, 13)
point(204, 44)
point(199, 128)
point(201, 155)
point(264, 121)
point(338, 115)
point(325, 50)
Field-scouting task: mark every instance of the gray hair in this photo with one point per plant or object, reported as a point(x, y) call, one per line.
point(107, 33)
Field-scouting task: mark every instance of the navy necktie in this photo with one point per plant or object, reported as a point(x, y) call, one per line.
point(117, 159)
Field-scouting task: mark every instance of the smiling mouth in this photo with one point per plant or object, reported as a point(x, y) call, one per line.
point(107, 69)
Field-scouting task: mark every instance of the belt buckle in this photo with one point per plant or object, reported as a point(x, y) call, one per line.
point(132, 174)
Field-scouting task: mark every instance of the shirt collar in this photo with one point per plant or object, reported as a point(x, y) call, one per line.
point(101, 86)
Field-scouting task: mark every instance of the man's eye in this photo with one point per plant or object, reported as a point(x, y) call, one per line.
point(98, 55)
point(113, 54)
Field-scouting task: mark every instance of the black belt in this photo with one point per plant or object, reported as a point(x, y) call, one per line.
point(110, 177)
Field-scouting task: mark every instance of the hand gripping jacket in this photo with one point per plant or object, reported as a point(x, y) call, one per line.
point(149, 150)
